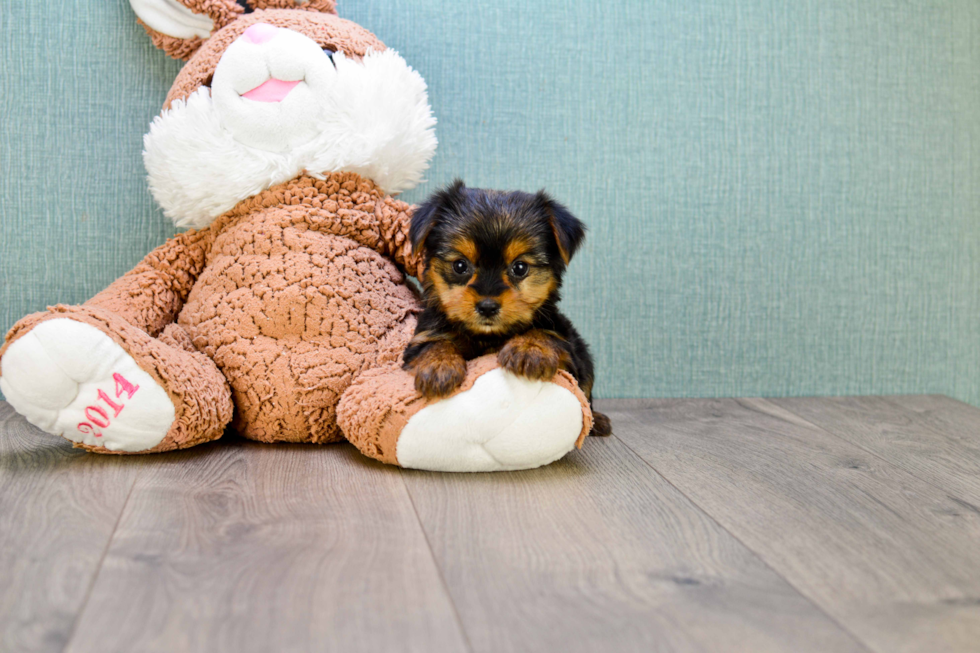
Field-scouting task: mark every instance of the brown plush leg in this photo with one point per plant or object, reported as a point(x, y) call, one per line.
point(197, 389)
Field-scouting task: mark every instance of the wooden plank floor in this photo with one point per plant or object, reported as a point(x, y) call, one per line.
point(838, 524)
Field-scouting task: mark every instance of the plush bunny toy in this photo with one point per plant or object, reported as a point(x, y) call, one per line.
point(284, 310)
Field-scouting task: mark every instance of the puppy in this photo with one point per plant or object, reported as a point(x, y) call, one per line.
point(493, 268)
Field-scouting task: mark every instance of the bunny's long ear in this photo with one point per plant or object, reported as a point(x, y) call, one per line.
point(179, 27)
point(323, 6)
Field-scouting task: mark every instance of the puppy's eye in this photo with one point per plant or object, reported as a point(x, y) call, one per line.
point(460, 266)
point(520, 269)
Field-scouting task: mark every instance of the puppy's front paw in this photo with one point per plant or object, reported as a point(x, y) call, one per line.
point(439, 371)
point(439, 379)
point(534, 355)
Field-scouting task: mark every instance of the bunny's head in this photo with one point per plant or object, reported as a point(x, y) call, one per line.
point(273, 89)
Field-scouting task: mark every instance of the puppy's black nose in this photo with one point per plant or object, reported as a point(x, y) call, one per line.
point(488, 307)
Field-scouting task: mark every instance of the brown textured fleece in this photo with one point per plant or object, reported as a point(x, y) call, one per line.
point(151, 295)
point(326, 29)
point(375, 410)
point(326, 6)
point(297, 298)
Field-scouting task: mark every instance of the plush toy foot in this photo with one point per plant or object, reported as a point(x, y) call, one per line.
point(90, 376)
point(504, 422)
point(496, 422)
point(72, 380)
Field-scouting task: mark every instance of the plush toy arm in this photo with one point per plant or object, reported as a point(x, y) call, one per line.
point(394, 233)
point(372, 219)
point(151, 295)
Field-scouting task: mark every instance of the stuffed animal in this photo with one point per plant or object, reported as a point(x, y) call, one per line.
point(284, 310)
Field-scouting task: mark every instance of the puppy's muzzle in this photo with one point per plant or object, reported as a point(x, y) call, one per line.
point(488, 307)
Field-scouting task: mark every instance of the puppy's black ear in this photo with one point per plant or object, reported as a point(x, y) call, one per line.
point(423, 220)
point(429, 214)
point(569, 231)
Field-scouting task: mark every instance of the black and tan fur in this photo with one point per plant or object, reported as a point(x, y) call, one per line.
point(494, 266)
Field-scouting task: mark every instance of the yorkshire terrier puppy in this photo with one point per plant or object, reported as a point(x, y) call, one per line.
point(493, 268)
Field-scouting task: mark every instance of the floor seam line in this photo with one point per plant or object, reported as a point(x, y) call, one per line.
point(860, 642)
point(871, 453)
point(435, 563)
point(98, 569)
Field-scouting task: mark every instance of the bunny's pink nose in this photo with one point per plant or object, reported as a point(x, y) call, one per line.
point(260, 33)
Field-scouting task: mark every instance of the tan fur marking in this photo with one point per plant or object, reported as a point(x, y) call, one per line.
point(538, 287)
point(516, 248)
point(456, 301)
point(467, 248)
point(518, 305)
point(513, 308)
point(428, 336)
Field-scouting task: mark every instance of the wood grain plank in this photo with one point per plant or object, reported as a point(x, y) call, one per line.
point(243, 546)
point(933, 437)
point(598, 553)
point(891, 557)
point(58, 509)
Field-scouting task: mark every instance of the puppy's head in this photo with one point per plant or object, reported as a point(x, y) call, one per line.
point(493, 258)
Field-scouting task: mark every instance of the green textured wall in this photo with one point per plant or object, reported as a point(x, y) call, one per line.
point(784, 195)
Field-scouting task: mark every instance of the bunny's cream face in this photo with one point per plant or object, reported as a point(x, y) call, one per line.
point(277, 93)
point(272, 87)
